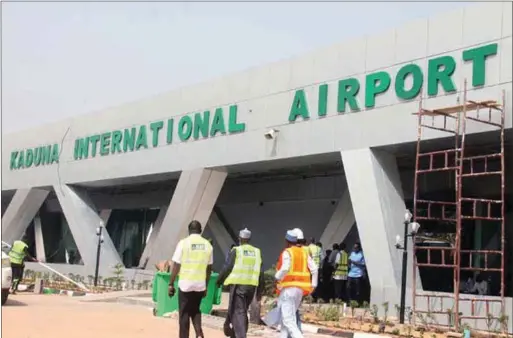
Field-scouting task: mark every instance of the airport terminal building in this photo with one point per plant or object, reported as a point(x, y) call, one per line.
point(325, 142)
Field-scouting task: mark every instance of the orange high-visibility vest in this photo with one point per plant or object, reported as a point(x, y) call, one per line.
point(299, 275)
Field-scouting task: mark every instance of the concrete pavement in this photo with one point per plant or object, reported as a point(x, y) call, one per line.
point(53, 316)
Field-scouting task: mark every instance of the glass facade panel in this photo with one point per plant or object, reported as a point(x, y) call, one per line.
point(129, 231)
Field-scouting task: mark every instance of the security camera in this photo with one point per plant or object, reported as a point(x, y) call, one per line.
point(398, 242)
point(270, 134)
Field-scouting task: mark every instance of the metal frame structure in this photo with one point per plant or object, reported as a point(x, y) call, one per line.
point(454, 161)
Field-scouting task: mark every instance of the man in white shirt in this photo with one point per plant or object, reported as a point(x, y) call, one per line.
point(193, 260)
point(293, 284)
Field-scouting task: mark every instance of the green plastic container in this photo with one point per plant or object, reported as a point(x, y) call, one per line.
point(165, 304)
point(49, 291)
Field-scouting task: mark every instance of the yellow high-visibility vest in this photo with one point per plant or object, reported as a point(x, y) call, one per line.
point(196, 252)
point(17, 253)
point(246, 270)
point(315, 252)
point(342, 267)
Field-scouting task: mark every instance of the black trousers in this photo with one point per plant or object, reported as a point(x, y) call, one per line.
point(17, 274)
point(354, 287)
point(189, 309)
point(241, 297)
point(340, 289)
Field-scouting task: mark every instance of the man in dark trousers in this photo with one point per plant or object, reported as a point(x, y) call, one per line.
point(356, 274)
point(193, 261)
point(340, 274)
point(327, 283)
point(243, 274)
point(17, 256)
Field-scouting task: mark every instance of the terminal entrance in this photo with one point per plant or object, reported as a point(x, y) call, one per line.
point(269, 199)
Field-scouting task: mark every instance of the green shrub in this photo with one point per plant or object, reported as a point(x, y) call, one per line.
point(269, 282)
point(330, 313)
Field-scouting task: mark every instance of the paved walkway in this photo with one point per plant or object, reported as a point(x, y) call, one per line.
point(53, 316)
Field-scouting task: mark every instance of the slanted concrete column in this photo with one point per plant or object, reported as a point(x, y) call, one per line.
point(377, 199)
point(153, 236)
point(219, 232)
point(340, 222)
point(105, 215)
point(193, 199)
point(40, 244)
point(21, 211)
point(83, 219)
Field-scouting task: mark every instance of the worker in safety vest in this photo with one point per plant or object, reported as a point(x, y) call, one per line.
point(192, 261)
point(340, 273)
point(17, 255)
point(297, 277)
point(315, 251)
point(243, 274)
point(301, 242)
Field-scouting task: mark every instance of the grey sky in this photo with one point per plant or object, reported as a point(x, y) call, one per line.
point(64, 59)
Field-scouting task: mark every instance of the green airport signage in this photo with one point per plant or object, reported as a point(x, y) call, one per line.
point(222, 121)
point(35, 157)
point(439, 75)
point(191, 126)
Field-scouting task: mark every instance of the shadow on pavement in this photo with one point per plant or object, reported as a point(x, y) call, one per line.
point(14, 302)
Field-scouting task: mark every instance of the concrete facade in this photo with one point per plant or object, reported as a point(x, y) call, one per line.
point(20, 212)
point(193, 199)
point(264, 97)
point(376, 193)
point(349, 103)
point(83, 219)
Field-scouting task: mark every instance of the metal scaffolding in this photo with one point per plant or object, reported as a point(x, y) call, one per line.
point(454, 214)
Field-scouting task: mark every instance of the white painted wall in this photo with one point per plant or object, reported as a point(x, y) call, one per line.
point(264, 96)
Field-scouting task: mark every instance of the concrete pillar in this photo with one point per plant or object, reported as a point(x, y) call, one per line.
point(153, 236)
point(105, 215)
point(193, 199)
point(340, 222)
point(40, 244)
point(21, 211)
point(83, 219)
point(219, 232)
point(377, 199)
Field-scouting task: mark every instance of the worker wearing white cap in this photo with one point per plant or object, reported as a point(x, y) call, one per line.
point(243, 274)
point(297, 277)
point(301, 240)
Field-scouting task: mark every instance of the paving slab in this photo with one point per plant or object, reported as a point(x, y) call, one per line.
point(141, 301)
point(115, 295)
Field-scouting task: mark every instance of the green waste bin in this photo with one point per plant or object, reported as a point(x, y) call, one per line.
point(165, 304)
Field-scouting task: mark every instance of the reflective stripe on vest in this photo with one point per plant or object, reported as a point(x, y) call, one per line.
point(315, 252)
point(246, 270)
point(17, 253)
point(342, 267)
point(196, 252)
point(299, 275)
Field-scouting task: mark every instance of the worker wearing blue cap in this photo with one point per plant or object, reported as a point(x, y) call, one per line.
point(243, 274)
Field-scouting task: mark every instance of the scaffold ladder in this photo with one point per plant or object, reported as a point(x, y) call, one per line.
point(453, 120)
